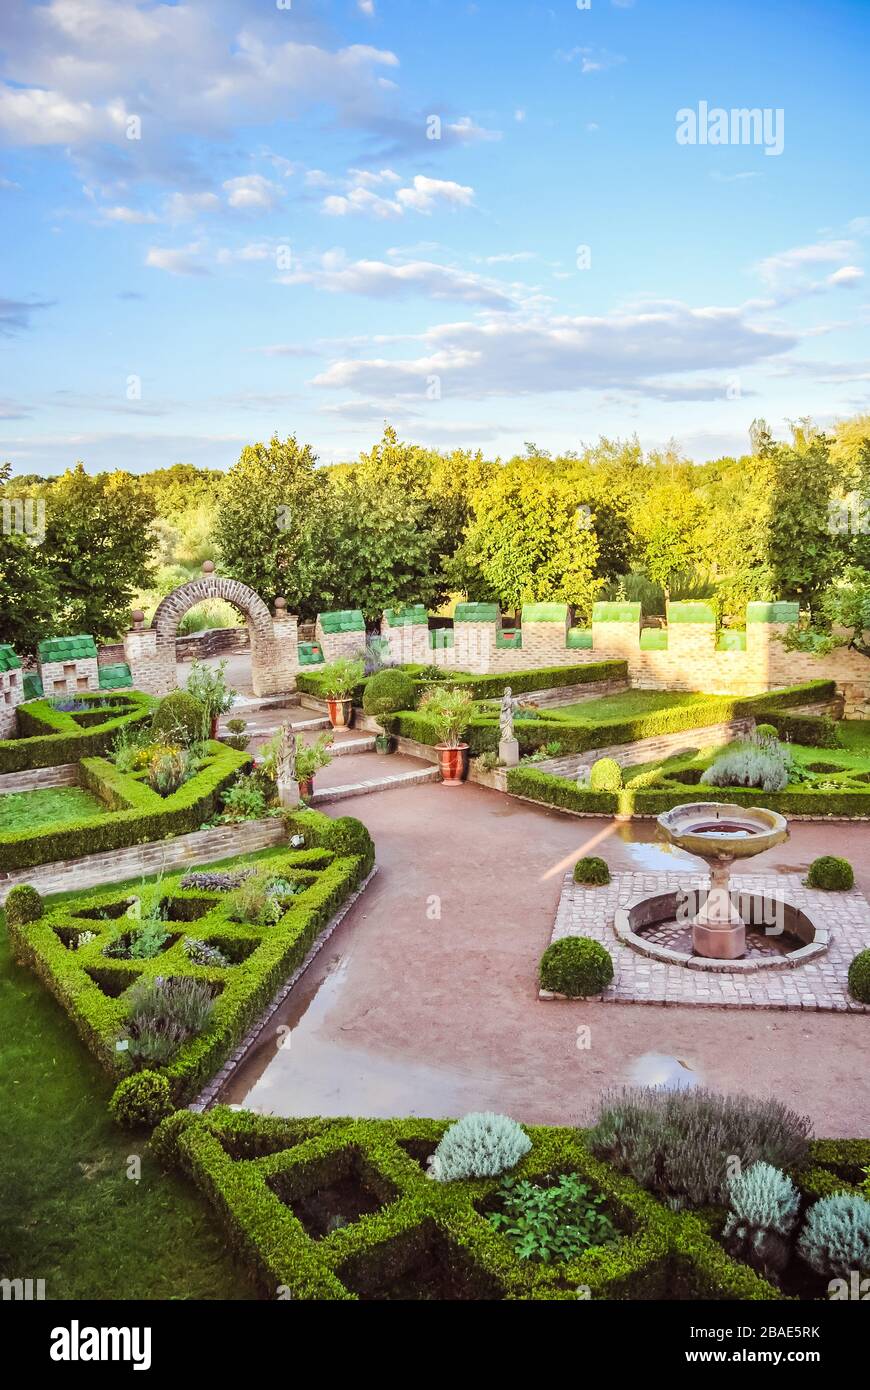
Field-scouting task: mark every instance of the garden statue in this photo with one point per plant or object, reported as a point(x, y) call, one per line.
point(285, 769)
point(508, 747)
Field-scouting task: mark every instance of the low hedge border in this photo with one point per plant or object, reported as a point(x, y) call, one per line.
point(491, 686)
point(652, 801)
point(241, 1162)
point(337, 856)
point(50, 737)
point(134, 814)
point(482, 734)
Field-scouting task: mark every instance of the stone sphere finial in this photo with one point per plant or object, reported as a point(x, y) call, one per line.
point(138, 617)
point(208, 566)
point(280, 605)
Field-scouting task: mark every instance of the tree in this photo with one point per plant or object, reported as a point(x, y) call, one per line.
point(389, 529)
point(843, 620)
point(98, 546)
point(269, 523)
point(533, 537)
point(28, 595)
point(668, 524)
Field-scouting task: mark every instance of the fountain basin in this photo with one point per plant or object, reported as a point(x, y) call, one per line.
point(797, 937)
point(713, 828)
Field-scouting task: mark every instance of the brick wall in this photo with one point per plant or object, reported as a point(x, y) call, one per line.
point(37, 779)
point(648, 750)
point(68, 677)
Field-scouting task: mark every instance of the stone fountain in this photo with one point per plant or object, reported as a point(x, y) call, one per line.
point(720, 833)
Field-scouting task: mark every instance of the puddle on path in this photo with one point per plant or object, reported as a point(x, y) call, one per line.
point(664, 1072)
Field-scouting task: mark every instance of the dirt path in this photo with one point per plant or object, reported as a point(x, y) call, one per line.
point(408, 1012)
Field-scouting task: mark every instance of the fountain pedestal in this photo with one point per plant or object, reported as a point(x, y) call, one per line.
point(718, 930)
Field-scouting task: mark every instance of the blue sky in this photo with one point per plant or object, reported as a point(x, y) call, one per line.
point(281, 246)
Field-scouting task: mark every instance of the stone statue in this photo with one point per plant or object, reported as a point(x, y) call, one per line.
point(508, 747)
point(285, 768)
point(506, 715)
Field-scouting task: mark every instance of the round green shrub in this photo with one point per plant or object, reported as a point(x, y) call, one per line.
point(141, 1101)
point(180, 718)
point(23, 905)
point(605, 776)
point(859, 977)
point(576, 966)
point(591, 870)
point(831, 873)
point(766, 731)
point(387, 692)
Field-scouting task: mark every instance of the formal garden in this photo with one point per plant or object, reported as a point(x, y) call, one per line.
point(169, 881)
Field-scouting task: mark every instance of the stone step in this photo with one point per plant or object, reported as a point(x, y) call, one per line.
point(380, 784)
point(353, 745)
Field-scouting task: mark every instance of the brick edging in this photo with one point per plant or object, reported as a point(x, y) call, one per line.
point(209, 1093)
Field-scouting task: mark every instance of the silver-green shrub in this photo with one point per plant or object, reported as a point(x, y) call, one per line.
point(761, 763)
point(480, 1145)
point(679, 1143)
point(835, 1239)
point(764, 1211)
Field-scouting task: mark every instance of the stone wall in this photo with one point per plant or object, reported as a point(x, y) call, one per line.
point(11, 696)
point(215, 641)
point(117, 866)
point(648, 750)
point(39, 778)
point(69, 677)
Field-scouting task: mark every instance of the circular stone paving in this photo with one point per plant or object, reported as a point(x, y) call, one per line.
point(677, 936)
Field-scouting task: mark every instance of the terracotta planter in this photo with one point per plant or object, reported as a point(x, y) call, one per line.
point(306, 787)
point(340, 712)
point(453, 763)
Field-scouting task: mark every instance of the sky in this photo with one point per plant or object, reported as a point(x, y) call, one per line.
point(484, 223)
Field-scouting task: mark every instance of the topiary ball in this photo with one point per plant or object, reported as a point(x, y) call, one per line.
point(141, 1101)
point(576, 966)
point(23, 905)
point(831, 873)
point(180, 718)
point(387, 692)
point(592, 871)
point(859, 977)
point(605, 776)
point(766, 731)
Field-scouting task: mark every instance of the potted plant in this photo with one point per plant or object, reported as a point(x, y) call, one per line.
point(450, 709)
point(310, 758)
point(338, 681)
point(208, 684)
point(385, 694)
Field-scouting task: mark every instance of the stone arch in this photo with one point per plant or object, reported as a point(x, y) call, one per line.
point(273, 640)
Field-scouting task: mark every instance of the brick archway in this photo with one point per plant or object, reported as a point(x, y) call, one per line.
point(267, 657)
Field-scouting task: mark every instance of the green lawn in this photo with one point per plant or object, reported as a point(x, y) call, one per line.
point(68, 1212)
point(628, 704)
point(40, 809)
point(854, 756)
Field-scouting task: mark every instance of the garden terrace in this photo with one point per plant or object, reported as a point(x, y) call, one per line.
point(129, 813)
point(393, 1233)
point(67, 947)
point(50, 734)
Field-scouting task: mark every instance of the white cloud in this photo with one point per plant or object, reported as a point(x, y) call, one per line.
point(252, 193)
point(179, 207)
point(465, 130)
point(366, 7)
point(183, 260)
point(519, 115)
point(132, 215)
point(592, 59)
point(635, 349)
point(785, 265)
point(847, 275)
point(386, 280)
point(423, 195)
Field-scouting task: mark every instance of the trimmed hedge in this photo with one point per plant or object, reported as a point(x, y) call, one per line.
point(576, 966)
point(93, 988)
point(134, 814)
point(831, 873)
point(50, 737)
point(859, 977)
point(253, 1168)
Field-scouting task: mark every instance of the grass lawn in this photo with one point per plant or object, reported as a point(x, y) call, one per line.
point(628, 704)
point(53, 806)
point(68, 1212)
point(854, 756)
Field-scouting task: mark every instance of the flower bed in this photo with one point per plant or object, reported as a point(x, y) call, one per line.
point(395, 1233)
point(134, 814)
point(93, 986)
point(50, 736)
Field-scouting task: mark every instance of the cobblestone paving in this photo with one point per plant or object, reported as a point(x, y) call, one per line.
point(819, 984)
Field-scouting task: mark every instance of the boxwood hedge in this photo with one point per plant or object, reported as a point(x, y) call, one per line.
point(50, 737)
point(134, 813)
point(253, 1169)
point(93, 987)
